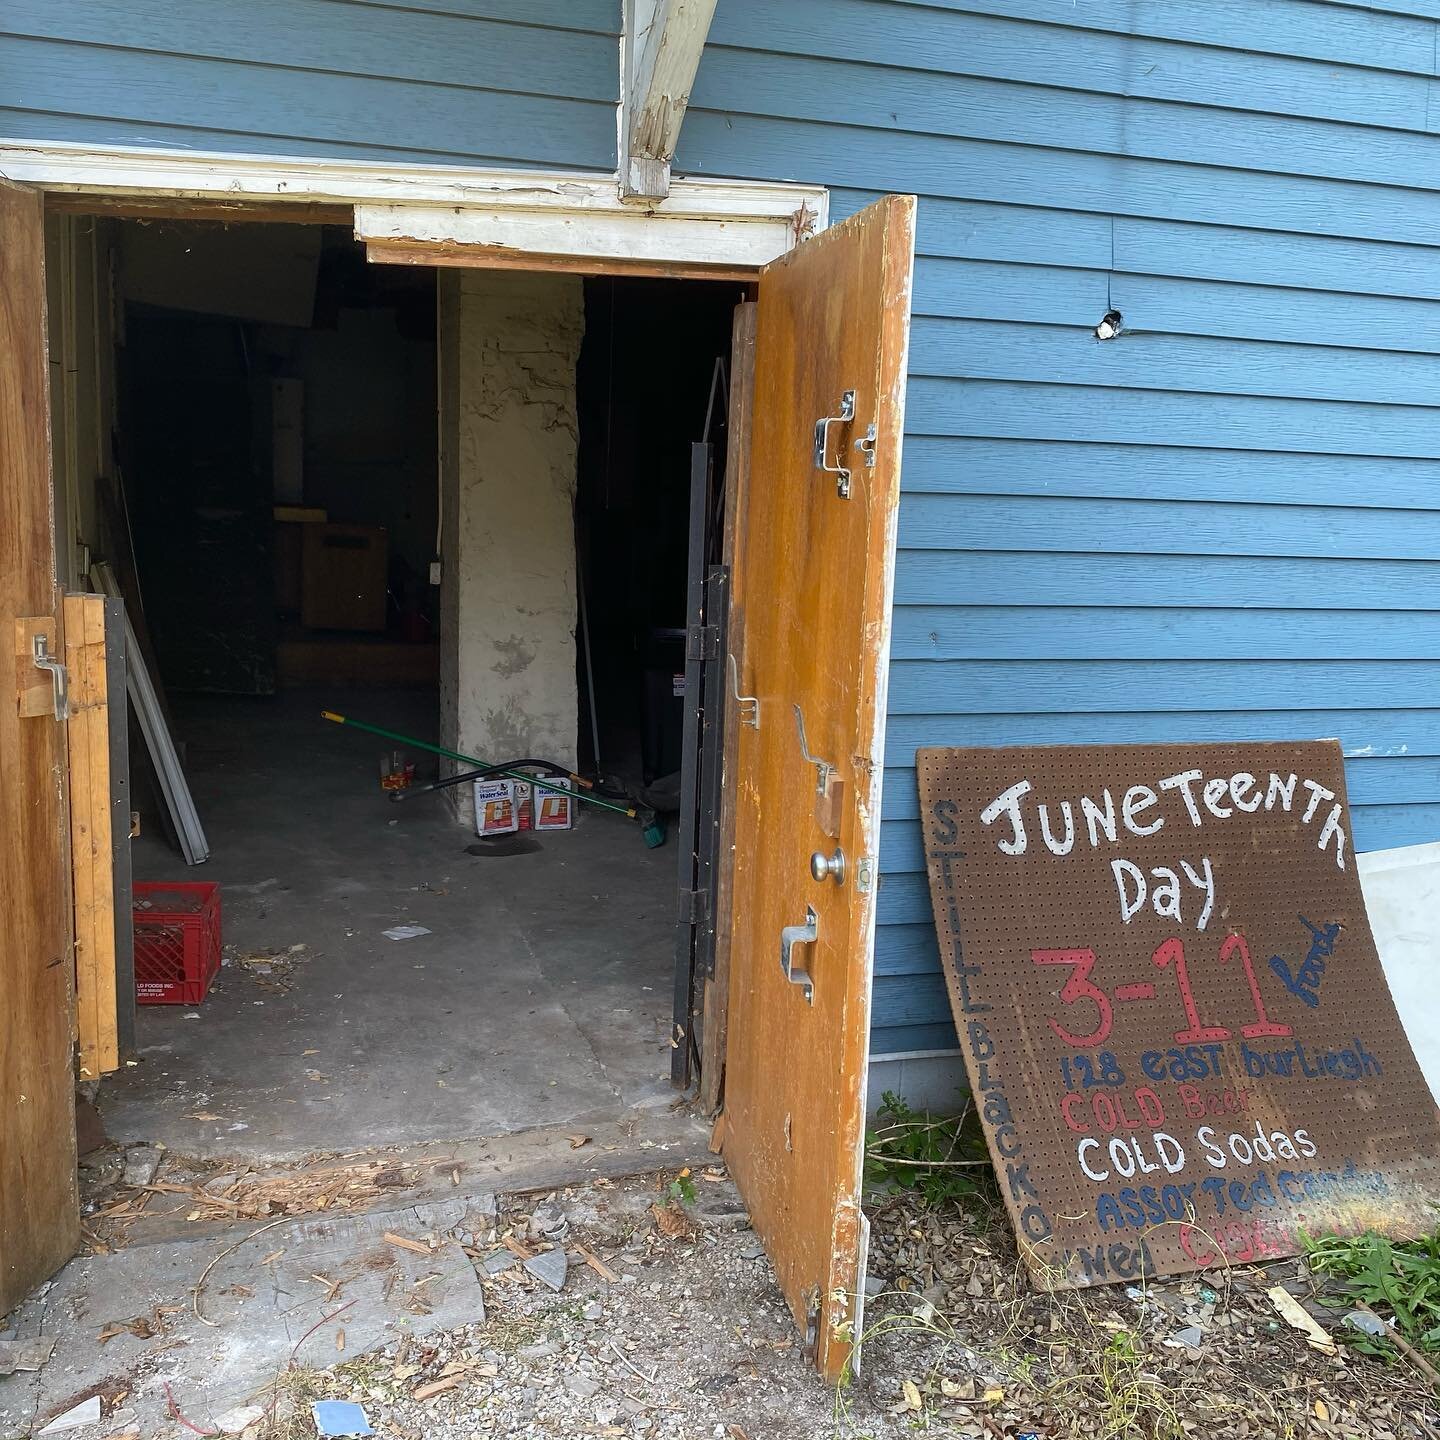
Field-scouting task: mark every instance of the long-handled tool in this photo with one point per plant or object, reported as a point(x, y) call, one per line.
point(462, 777)
point(578, 794)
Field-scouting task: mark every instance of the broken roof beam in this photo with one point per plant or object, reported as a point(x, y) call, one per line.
point(663, 43)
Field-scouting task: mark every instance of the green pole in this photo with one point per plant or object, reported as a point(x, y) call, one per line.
point(384, 734)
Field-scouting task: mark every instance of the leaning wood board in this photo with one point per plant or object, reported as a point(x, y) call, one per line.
point(39, 1205)
point(91, 851)
point(1180, 1041)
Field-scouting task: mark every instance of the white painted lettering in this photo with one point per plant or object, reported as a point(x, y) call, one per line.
point(1123, 869)
point(1094, 816)
point(1182, 782)
point(1282, 790)
point(1317, 793)
point(1207, 885)
point(1166, 894)
point(1082, 1155)
point(1058, 847)
point(1241, 784)
point(1008, 803)
point(1214, 789)
point(1334, 827)
point(1137, 799)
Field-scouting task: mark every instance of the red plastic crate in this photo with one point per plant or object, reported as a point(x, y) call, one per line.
point(177, 940)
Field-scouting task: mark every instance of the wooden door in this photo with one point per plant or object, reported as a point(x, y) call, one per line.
point(39, 1215)
point(816, 572)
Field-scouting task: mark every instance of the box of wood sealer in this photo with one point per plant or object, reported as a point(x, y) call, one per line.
point(496, 812)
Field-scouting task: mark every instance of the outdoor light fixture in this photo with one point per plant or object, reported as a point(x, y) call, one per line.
point(1111, 324)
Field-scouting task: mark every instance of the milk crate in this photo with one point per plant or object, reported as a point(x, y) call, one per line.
point(177, 940)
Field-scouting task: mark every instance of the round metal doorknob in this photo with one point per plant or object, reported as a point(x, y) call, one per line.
point(828, 867)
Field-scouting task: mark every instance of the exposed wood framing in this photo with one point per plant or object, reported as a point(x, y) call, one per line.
point(661, 52)
point(724, 224)
point(91, 857)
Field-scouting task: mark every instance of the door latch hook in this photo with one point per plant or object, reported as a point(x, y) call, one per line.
point(749, 704)
point(59, 676)
point(822, 443)
point(823, 768)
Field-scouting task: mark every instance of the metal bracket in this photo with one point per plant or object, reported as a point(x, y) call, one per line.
point(749, 704)
point(866, 446)
point(59, 676)
point(702, 642)
point(822, 443)
point(823, 768)
point(790, 937)
point(864, 874)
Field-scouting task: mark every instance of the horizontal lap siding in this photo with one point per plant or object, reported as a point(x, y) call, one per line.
point(1224, 525)
point(478, 82)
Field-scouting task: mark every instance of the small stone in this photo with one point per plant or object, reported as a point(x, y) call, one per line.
point(549, 1267)
point(874, 1285)
point(500, 1261)
point(1190, 1338)
point(87, 1412)
point(25, 1354)
point(541, 1350)
point(582, 1387)
point(755, 1251)
point(605, 1412)
point(593, 1311)
point(141, 1165)
point(238, 1420)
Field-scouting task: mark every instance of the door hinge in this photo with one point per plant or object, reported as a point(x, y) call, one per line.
point(694, 907)
point(702, 642)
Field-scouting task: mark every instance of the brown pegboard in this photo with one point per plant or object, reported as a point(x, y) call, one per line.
point(1293, 1103)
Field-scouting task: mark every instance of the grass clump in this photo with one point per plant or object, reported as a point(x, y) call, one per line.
point(1399, 1280)
point(941, 1160)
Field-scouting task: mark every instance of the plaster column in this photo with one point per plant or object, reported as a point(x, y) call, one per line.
point(509, 342)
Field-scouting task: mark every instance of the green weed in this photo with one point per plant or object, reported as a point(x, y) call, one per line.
point(942, 1160)
point(1394, 1278)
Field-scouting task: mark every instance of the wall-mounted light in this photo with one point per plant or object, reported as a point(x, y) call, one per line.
point(1111, 324)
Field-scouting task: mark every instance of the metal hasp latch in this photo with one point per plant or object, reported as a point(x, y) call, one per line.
point(790, 937)
point(829, 787)
point(822, 443)
point(59, 677)
point(749, 705)
point(823, 768)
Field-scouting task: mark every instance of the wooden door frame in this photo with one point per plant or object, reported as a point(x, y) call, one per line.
point(441, 214)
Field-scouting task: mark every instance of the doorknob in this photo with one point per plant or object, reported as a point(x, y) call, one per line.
point(828, 867)
point(790, 937)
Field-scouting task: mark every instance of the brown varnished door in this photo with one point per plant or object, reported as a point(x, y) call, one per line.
point(39, 1216)
point(817, 568)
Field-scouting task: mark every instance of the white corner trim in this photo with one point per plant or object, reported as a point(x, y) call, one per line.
point(700, 221)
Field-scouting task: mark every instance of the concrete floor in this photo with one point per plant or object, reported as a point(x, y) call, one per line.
point(540, 997)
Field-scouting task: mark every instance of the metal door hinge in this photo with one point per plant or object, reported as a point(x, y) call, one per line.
point(694, 907)
point(822, 443)
point(702, 642)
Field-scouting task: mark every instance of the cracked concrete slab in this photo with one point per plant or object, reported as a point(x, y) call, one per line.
point(334, 1287)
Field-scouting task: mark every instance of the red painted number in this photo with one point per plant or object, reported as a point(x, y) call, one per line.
point(1172, 952)
point(1263, 1024)
point(1077, 988)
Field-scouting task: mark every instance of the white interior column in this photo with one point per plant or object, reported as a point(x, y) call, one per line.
point(509, 341)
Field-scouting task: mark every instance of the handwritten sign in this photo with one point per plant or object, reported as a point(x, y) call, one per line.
point(1178, 1034)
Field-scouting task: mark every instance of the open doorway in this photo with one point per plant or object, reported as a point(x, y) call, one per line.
point(309, 526)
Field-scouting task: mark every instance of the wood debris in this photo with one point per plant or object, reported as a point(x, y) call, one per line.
point(286, 1192)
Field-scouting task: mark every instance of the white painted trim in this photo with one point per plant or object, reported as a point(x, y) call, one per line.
point(637, 238)
point(665, 39)
point(728, 217)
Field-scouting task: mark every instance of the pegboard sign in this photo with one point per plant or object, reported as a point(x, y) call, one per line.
point(1179, 1037)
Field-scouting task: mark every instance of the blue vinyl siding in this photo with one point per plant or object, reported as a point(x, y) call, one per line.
point(1223, 525)
point(475, 82)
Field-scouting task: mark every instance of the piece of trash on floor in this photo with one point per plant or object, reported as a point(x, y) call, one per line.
point(25, 1354)
point(404, 932)
point(1190, 1338)
point(1294, 1313)
point(87, 1412)
point(1368, 1322)
point(339, 1418)
point(549, 1267)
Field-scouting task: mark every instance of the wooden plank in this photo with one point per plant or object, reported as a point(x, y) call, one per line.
point(662, 46)
point(737, 480)
point(118, 718)
point(817, 571)
point(164, 207)
point(91, 857)
point(39, 1203)
point(449, 254)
